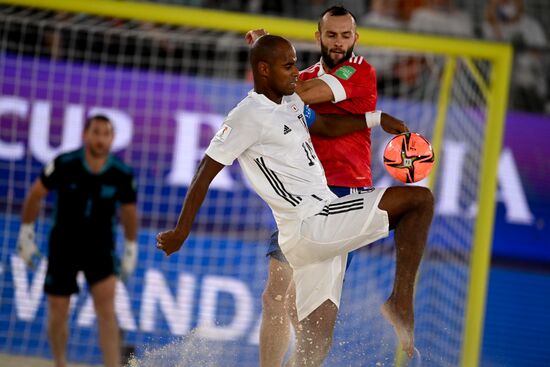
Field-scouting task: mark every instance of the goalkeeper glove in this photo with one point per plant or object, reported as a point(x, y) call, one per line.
point(26, 245)
point(129, 258)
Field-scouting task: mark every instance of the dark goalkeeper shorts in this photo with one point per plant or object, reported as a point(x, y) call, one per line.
point(63, 267)
point(274, 250)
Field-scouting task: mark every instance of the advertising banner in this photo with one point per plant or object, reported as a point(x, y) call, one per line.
point(163, 124)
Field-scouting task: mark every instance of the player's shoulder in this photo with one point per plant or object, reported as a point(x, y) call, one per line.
point(356, 65)
point(254, 107)
point(359, 60)
point(294, 101)
point(250, 102)
point(311, 72)
point(119, 165)
point(244, 111)
point(70, 157)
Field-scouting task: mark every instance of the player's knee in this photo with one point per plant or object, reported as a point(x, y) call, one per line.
point(427, 197)
point(313, 347)
point(324, 342)
point(105, 311)
point(423, 198)
point(429, 200)
point(58, 318)
point(273, 299)
point(325, 336)
point(58, 311)
point(316, 338)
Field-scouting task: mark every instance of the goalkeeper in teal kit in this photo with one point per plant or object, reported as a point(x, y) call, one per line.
point(90, 184)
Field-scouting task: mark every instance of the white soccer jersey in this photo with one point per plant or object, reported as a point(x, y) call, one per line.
point(273, 146)
point(316, 229)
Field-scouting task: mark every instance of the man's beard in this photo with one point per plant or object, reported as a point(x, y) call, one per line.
point(328, 61)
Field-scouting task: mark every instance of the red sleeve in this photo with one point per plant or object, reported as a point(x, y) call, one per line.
point(357, 77)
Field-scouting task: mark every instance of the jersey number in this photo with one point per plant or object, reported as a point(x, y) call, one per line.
point(309, 153)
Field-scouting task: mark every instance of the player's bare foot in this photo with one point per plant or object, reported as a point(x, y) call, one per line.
point(402, 325)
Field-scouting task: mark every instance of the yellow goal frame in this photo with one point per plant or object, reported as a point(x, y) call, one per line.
point(495, 91)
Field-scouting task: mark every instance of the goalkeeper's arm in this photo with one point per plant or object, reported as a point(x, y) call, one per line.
point(33, 201)
point(26, 244)
point(129, 220)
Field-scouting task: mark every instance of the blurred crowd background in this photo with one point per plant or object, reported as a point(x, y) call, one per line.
point(523, 23)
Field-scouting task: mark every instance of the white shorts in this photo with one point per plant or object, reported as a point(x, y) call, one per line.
point(319, 252)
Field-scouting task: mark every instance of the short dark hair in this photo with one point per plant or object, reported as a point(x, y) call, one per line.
point(335, 10)
point(266, 49)
point(89, 120)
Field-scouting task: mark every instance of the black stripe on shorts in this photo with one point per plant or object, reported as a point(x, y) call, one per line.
point(343, 207)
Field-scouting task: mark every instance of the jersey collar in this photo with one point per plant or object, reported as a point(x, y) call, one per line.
point(266, 101)
point(105, 167)
point(261, 98)
point(322, 69)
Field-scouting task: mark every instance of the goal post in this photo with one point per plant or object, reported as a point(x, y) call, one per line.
point(490, 82)
point(497, 103)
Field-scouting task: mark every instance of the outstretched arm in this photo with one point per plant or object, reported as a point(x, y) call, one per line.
point(331, 125)
point(171, 241)
point(314, 91)
point(392, 125)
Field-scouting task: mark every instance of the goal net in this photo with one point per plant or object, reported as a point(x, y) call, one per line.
point(166, 88)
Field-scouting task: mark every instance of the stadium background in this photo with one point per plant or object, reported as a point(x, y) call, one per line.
point(517, 319)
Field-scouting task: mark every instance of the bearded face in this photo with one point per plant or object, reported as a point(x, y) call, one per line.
point(336, 55)
point(337, 37)
point(98, 138)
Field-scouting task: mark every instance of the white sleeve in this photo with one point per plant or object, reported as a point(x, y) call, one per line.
point(237, 133)
point(337, 88)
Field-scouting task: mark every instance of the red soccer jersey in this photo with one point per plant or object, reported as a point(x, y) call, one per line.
point(346, 159)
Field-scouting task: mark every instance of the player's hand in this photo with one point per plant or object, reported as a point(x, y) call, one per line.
point(26, 245)
point(392, 125)
point(170, 241)
point(129, 259)
point(252, 36)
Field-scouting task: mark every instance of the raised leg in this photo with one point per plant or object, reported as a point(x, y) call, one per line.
point(410, 212)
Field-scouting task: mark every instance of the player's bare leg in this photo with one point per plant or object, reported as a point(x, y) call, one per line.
point(290, 305)
point(275, 327)
point(315, 337)
point(58, 332)
point(103, 293)
point(410, 211)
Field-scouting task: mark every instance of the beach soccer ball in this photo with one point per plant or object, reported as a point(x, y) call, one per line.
point(408, 157)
